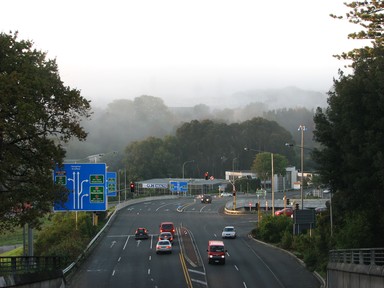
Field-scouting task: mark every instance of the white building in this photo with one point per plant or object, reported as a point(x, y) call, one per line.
point(280, 182)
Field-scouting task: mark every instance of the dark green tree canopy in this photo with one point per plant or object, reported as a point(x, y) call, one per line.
point(352, 134)
point(37, 113)
point(262, 164)
point(214, 146)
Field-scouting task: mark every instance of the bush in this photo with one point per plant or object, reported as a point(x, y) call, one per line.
point(64, 237)
point(272, 229)
point(286, 240)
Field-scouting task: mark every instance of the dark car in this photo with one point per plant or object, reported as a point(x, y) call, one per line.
point(141, 233)
point(206, 199)
point(166, 236)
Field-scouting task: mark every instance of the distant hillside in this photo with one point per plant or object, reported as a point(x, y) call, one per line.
point(289, 97)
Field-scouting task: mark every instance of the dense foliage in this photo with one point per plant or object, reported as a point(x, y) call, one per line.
point(37, 113)
point(213, 146)
point(70, 234)
point(351, 132)
point(126, 121)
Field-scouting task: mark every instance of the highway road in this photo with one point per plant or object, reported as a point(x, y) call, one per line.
point(121, 261)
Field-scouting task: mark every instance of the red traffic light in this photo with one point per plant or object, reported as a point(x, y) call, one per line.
point(206, 175)
point(132, 186)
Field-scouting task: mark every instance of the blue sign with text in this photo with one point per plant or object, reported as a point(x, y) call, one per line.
point(176, 186)
point(87, 185)
point(111, 184)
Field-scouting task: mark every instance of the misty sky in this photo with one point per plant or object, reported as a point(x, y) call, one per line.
point(184, 51)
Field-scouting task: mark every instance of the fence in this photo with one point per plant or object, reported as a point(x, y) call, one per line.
point(356, 268)
point(28, 264)
point(368, 256)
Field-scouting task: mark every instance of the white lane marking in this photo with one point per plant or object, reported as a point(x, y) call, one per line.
point(126, 242)
point(245, 285)
point(265, 264)
point(118, 260)
point(113, 273)
point(199, 281)
point(197, 272)
point(150, 258)
point(113, 243)
point(149, 271)
point(237, 268)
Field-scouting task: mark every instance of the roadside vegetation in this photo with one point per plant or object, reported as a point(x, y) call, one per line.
point(348, 154)
point(311, 247)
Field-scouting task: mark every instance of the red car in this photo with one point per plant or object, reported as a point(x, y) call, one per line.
point(285, 211)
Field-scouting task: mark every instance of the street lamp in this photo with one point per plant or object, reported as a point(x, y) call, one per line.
point(190, 161)
point(233, 170)
point(302, 129)
point(272, 180)
point(233, 183)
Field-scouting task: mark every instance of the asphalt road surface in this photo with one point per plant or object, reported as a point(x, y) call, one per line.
point(121, 261)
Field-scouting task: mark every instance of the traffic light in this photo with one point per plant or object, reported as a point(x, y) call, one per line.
point(206, 175)
point(287, 201)
point(132, 186)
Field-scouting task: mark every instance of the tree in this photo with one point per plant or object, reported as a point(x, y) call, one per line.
point(262, 165)
point(370, 16)
point(37, 114)
point(351, 133)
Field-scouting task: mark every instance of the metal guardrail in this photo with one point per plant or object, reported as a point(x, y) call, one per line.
point(367, 256)
point(28, 264)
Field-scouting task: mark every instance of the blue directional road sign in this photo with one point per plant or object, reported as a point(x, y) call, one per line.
point(111, 184)
point(176, 186)
point(183, 187)
point(87, 185)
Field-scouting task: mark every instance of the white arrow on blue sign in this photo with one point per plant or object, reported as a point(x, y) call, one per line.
point(87, 185)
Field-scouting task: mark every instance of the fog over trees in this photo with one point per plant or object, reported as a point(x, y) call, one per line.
point(124, 121)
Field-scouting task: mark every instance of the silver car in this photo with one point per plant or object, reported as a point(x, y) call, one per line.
point(163, 246)
point(228, 232)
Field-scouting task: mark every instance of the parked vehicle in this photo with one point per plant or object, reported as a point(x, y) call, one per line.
point(216, 252)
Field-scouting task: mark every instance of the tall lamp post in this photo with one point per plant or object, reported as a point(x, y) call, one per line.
point(302, 129)
point(272, 176)
point(233, 183)
point(189, 161)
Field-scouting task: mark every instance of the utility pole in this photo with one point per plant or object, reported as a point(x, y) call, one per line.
point(302, 129)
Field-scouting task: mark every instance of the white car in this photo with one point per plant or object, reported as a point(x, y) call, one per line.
point(163, 246)
point(225, 194)
point(228, 232)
